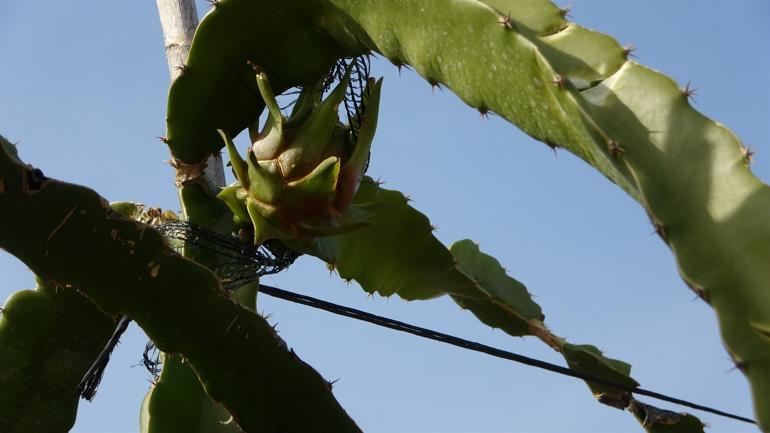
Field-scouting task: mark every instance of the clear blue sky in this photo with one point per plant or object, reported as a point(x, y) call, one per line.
point(82, 89)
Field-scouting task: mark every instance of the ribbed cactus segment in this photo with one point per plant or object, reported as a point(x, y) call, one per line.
point(217, 90)
point(663, 421)
point(71, 237)
point(411, 262)
point(574, 88)
point(507, 304)
point(704, 203)
point(589, 359)
point(49, 337)
point(178, 402)
point(505, 291)
point(507, 68)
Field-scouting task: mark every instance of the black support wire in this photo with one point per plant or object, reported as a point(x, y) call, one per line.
point(478, 347)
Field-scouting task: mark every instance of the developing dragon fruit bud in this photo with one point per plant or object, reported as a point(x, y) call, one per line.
point(300, 174)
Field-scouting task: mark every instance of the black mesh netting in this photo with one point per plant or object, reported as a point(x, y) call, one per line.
point(354, 94)
point(238, 262)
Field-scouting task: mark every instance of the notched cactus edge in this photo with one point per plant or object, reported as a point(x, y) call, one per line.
point(413, 264)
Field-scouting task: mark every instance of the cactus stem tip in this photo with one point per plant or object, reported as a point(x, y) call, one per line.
point(566, 10)
point(257, 69)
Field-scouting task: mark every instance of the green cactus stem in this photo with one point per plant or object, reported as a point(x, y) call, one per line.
point(561, 83)
point(124, 267)
point(575, 88)
point(215, 77)
point(413, 264)
point(564, 85)
point(491, 278)
point(49, 337)
point(178, 402)
point(663, 421)
point(271, 33)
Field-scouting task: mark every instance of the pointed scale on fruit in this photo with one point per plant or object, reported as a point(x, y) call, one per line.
point(300, 173)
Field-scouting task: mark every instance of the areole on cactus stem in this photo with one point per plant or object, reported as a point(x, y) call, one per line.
point(301, 172)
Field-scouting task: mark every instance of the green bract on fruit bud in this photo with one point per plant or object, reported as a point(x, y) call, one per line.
point(301, 172)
